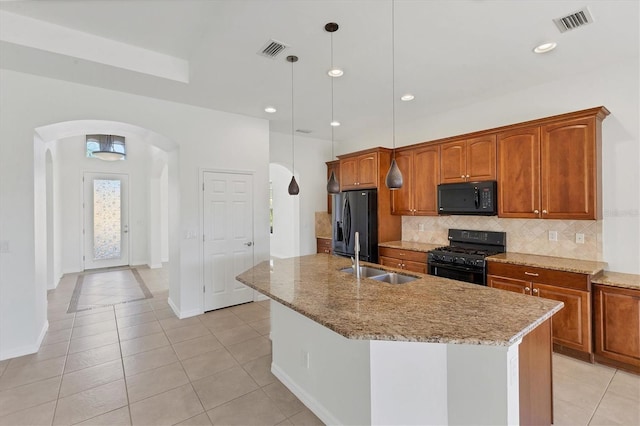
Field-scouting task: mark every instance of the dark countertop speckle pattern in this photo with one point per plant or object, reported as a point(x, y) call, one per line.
point(429, 309)
point(410, 245)
point(618, 279)
point(588, 267)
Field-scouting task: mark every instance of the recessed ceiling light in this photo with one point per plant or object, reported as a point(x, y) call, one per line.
point(545, 47)
point(335, 123)
point(335, 72)
point(407, 97)
point(270, 109)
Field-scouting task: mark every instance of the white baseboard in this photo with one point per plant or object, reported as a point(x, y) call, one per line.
point(26, 349)
point(185, 314)
point(154, 265)
point(311, 403)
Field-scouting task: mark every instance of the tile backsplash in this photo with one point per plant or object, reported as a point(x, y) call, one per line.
point(523, 235)
point(323, 224)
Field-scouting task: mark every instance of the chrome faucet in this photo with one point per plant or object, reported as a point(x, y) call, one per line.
point(356, 248)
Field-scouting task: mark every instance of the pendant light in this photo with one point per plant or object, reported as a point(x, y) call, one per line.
point(112, 147)
point(333, 186)
point(394, 176)
point(294, 189)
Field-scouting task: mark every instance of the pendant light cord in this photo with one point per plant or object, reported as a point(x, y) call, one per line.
point(332, 120)
point(293, 151)
point(393, 77)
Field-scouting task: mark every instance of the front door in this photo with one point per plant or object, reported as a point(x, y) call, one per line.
point(106, 220)
point(228, 238)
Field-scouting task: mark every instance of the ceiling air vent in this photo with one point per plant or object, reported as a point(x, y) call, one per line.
point(272, 48)
point(306, 131)
point(574, 20)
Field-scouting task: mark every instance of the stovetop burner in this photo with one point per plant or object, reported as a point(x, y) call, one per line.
point(464, 250)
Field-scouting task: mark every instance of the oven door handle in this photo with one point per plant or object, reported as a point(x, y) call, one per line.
point(454, 267)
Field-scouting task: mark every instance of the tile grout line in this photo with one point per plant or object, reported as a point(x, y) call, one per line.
point(602, 397)
point(124, 374)
point(64, 366)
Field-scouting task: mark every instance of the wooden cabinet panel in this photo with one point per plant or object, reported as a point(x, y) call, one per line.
point(536, 394)
point(568, 174)
point(453, 162)
point(541, 275)
point(519, 173)
point(368, 171)
point(509, 284)
point(421, 171)
point(410, 260)
point(323, 245)
point(402, 199)
point(481, 158)
point(571, 326)
point(425, 180)
point(617, 326)
point(349, 173)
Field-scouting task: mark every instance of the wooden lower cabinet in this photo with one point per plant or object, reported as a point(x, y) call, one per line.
point(617, 326)
point(323, 245)
point(410, 260)
point(571, 326)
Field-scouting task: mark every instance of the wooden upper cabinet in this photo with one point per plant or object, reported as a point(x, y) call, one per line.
point(359, 172)
point(568, 169)
point(453, 162)
point(519, 173)
point(420, 169)
point(468, 160)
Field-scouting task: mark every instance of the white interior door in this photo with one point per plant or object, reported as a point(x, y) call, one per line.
point(228, 238)
point(106, 220)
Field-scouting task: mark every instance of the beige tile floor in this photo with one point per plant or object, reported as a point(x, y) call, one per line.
point(136, 363)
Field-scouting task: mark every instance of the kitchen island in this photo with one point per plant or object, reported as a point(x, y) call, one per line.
point(432, 351)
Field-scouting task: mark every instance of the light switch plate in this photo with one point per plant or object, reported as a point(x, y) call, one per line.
point(579, 238)
point(421, 227)
point(553, 235)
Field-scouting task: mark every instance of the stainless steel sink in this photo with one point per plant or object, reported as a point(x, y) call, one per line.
point(394, 278)
point(381, 275)
point(365, 271)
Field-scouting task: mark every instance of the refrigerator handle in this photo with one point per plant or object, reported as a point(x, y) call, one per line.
point(346, 220)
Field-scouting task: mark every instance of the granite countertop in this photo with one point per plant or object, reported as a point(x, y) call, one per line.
point(410, 245)
point(618, 279)
point(588, 267)
point(325, 237)
point(429, 309)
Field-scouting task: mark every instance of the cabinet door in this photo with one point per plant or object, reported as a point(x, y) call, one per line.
point(426, 177)
point(570, 326)
point(453, 162)
point(412, 266)
point(402, 199)
point(509, 284)
point(368, 171)
point(519, 173)
point(568, 170)
point(349, 173)
point(481, 158)
point(617, 314)
point(389, 261)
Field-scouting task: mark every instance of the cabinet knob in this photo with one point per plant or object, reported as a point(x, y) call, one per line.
point(535, 291)
point(544, 212)
point(467, 176)
point(527, 289)
point(536, 211)
point(462, 176)
point(399, 265)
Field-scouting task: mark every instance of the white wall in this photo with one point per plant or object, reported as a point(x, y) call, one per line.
point(311, 175)
point(615, 87)
point(204, 139)
point(285, 238)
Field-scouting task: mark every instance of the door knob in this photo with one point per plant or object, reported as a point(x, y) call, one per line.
point(248, 243)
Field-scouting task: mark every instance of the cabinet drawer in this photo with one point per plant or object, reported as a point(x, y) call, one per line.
point(323, 245)
point(415, 256)
point(540, 275)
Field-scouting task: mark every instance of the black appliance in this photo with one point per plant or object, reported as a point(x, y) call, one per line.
point(356, 211)
point(471, 198)
point(463, 259)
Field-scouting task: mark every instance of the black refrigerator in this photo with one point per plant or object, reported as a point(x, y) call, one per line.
point(356, 211)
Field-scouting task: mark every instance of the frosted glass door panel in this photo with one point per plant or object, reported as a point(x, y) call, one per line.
point(105, 227)
point(107, 219)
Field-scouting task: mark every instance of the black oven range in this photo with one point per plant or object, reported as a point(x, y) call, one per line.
point(464, 258)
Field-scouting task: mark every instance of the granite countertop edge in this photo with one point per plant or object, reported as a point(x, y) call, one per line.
point(394, 333)
point(588, 267)
point(618, 279)
point(410, 245)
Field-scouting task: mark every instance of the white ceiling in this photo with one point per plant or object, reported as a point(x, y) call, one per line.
point(447, 53)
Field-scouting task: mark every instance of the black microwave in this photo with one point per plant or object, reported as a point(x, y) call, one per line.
point(472, 198)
